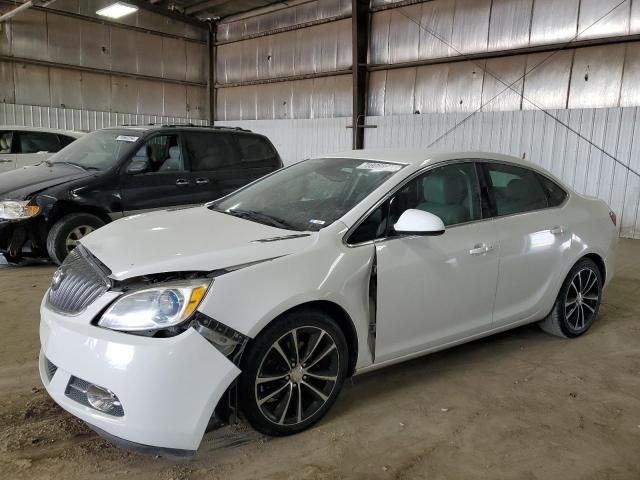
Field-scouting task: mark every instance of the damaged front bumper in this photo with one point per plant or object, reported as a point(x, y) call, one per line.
point(168, 388)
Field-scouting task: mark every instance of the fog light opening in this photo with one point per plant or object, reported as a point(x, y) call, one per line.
point(101, 399)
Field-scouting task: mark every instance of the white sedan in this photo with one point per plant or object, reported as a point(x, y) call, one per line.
point(263, 302)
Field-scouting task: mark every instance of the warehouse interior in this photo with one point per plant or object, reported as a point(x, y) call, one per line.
point(553, 82)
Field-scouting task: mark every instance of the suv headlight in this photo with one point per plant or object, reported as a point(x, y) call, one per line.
point(17, 209)
point(155, 308)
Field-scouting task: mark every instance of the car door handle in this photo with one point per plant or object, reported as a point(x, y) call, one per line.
point(480, 249)
point(202, 181)
point(181, 182)
point(557, 230)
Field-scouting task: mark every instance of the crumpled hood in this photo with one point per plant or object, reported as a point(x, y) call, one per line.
point(20, 183)
point(188, 239)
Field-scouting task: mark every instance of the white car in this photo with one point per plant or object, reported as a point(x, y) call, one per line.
point(22, 146)
point(335, 266)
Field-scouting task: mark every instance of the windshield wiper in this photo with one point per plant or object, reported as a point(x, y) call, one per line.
point(260, 218)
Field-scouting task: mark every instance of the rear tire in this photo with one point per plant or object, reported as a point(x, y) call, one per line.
point(282, 396)
point(67, 232)
point(578, 302)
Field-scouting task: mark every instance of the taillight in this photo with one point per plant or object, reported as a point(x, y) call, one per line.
point(612, 216)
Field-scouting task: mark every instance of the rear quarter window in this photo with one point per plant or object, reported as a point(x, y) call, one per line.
point(255, 151)
point(555, 193)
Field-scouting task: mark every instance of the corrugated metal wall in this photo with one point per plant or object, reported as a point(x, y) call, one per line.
point(324, 47)
point(589, 77)
point(74, 119)
point(51, 59)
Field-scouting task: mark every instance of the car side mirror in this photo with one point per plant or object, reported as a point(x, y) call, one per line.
point(419, 222)
point(138, 166)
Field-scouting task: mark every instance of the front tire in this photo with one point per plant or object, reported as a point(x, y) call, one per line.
point(578, 302)
point(66, 233)
point(293, 372)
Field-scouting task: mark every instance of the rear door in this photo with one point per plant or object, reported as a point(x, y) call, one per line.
point(33, 147)
point(7, 157)
point(164, 183)
point(221, 162)
point(533, 239)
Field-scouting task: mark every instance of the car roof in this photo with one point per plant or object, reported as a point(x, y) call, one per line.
point(58, 131)
point(201, 128)
point(422, 157)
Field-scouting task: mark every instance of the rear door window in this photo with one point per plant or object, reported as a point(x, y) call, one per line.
point(515, 189)
point(35, 142)
point(211, 151)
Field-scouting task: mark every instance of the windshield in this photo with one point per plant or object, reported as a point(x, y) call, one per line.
point(309, 195)
point(98, 150)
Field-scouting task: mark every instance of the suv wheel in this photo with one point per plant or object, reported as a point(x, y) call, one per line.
point(66, 233)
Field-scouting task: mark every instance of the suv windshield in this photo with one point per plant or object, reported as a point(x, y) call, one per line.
point(98, 150)
point(309, 195)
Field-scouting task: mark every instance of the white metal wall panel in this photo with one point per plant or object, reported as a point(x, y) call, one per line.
point(404, 34)
point(464, 86)
point(471, 25)
point(431, 89)
point(596, 78)
point(634, 23)
point(29, 35)
point(313, 98)
point(510, 24)
point(592, 25)
point(7, 88)
point(63, 39)
point(539, 138)
point(554, 21)
point(503, 81)
point(74, 119)
point(95, 45)
point(547, 80)
point(437, 26)
point(31, 84)
point(630, 93)
point(399, 93)
point(66, 88)
point(318, 10)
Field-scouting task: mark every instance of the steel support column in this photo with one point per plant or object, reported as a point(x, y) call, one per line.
point(360, 22)
point(211, 72)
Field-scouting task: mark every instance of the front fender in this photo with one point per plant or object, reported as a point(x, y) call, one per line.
point(249, 299)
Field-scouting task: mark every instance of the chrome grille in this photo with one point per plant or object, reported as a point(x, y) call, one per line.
point(77, 283)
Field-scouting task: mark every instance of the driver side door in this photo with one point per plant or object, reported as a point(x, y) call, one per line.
point(436, 290)
point(165, 180)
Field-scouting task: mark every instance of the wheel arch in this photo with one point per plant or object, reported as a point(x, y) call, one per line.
point(63, 208)
point(599, 261)
point(343, 320)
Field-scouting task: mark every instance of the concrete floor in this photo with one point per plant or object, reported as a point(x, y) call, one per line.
point(518, 405)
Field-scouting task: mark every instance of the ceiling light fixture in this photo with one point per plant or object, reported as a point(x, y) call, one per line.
point(117, 10)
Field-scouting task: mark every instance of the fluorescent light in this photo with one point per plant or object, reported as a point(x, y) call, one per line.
point(117, 10)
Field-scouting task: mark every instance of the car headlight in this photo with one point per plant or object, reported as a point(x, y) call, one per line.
point(155, 308)
point(17, 209)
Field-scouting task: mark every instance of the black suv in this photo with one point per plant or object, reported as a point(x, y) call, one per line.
point(45, 209)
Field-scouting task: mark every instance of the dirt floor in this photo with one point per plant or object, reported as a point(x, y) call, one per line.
point(518, 405)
